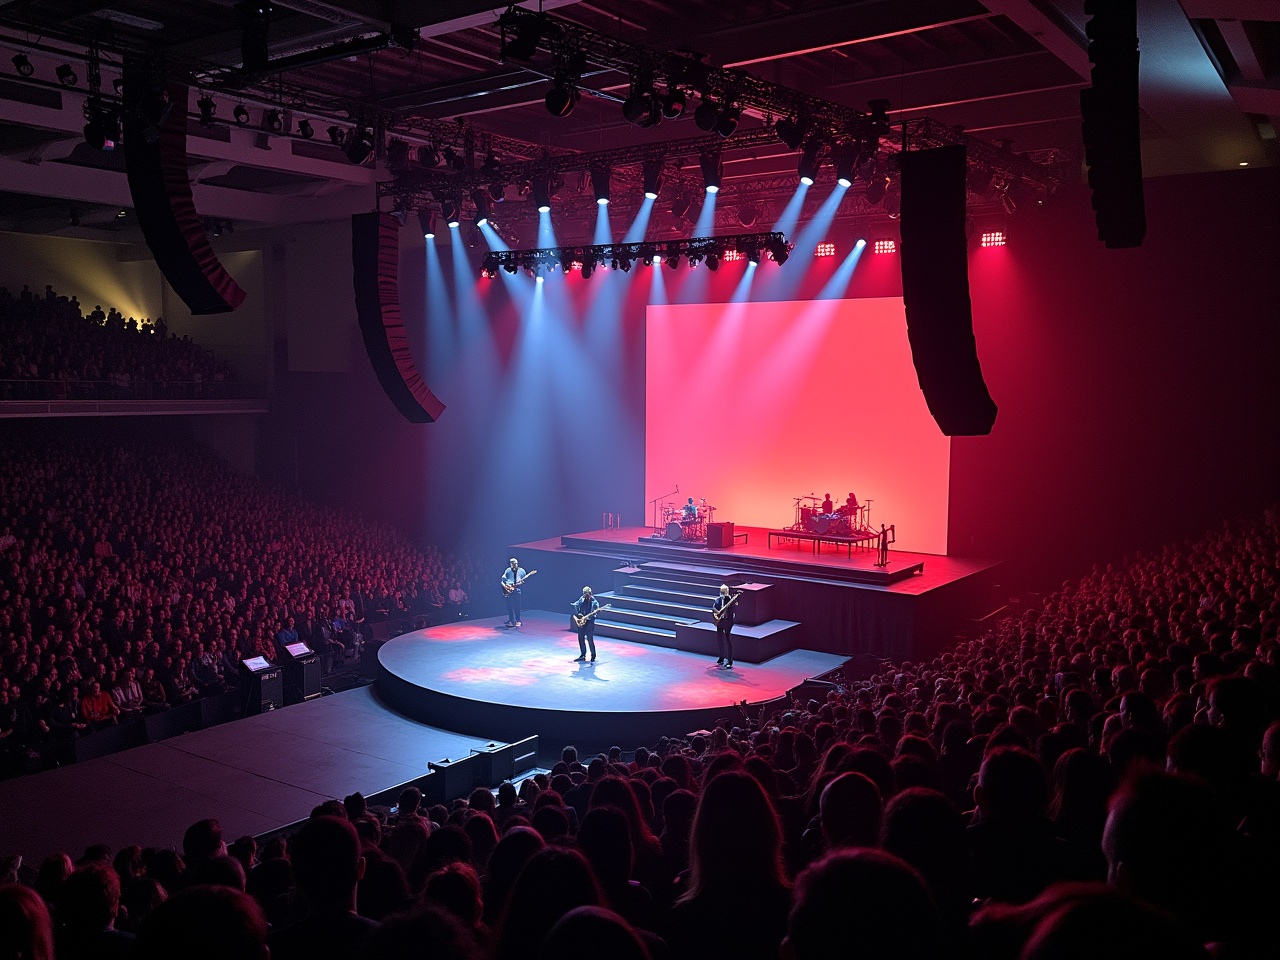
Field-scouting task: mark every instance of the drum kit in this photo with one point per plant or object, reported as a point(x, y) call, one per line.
point(840, 522)
point(676, 526)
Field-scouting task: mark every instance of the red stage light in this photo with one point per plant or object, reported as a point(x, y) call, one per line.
point(575, 265)
point(825, 250)
point(730, 255)
point(886, 246)
point(993, 238)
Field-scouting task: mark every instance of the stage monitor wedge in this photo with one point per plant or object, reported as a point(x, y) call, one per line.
point(935, 292)
point(155, 149)
point(375, 257)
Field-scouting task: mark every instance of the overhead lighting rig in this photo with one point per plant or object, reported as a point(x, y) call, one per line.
point(622, 256)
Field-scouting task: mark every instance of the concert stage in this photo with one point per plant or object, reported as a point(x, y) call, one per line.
point(838, 601)
point(255, 775)
point(479, 675)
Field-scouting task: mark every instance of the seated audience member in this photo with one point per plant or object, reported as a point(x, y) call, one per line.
point(1015, 852)
point(586, 933)
point(868, 899)
point(87, 907)
point(850, 812)
point(1108, 926)
point(426, 931)
point(553, 882)
point(202, 841)
point(327, 867)
point(735, 903)
point(205, 923)
point(127, 695)
point(97, 708)
point(26, 930)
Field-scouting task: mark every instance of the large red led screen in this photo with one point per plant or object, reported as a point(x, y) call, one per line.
point(751, 405)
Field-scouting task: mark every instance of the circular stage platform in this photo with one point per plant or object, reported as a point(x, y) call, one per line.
point(478, 676)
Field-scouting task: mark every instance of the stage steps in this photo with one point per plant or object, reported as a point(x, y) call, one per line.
point(669, 605)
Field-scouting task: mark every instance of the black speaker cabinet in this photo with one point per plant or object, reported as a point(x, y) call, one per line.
point(719, 536)
point(302, 679)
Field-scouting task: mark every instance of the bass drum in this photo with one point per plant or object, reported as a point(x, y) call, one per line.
point(675, 532)
point(824, 523)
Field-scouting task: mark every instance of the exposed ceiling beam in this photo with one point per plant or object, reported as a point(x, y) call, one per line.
point(1051, 28)
point(1231, 9)
point(1242, 51)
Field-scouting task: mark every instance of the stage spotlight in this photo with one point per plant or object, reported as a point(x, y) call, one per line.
point(121, 213)
point(846, 163)
point(673, 257)
point(994, 238)
point(102, 126)
point(600, 185)
point(427, 219)
point(706, 116)
point(728, 121)
point(885, 246)
point(523, 44)
point(305, 129)
point(893, 200)
point(428, 156)
point(561, 98)
point(240, 114)
point(748, 214)
point(624, 263)
point(680, 204)
point(673, 103)
point(712, 171)
point(23, 65)
point(452, 160)
point(652, 178)
point(876, 188)
point(271, 120)
point(778, 251)
point(753, 255)
point(542, 194)
point(359, 146)
point(647, 253)
point(497, 191)
point(208, 110)
point(397, 155)
point(489, 266)
point(641, 107)
point(481, 199)
point(825, 249)
point(791, 131)
point(879, 112)
point(66, 76)
point(807, 169)
point(588, 265)
point(337, 136)
point(449, 209)
point(713, 260)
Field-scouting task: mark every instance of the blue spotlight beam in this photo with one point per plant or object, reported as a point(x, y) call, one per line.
point(640, 225)
point(783, 284)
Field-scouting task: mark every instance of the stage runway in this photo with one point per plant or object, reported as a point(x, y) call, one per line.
point(255, 775)
point(479, 675)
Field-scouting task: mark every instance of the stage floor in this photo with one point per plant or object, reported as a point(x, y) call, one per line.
point(476, 674)
point(255, 775)
point(936, 571)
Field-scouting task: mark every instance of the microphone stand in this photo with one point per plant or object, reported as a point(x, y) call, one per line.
point(657, 500)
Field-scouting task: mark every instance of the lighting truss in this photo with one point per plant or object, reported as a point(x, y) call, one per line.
point(565, 41)
point(694, 250)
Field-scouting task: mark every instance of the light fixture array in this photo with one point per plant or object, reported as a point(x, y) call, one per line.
point(711, 251)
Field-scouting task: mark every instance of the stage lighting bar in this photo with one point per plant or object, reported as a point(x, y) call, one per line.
point(587, 258)
point(885, 246)
point(825, 249)
point(993, 238)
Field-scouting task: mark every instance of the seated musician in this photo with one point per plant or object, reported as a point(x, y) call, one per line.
point(689, 511)
point(827, 505)
point(851, 506)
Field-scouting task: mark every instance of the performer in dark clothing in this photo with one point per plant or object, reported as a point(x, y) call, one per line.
point(722, 612)
point(583, 608)
point(512, 578)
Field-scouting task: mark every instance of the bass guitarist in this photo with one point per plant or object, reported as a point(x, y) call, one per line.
point(722, 613)
point(512, 578)
point(585, 609)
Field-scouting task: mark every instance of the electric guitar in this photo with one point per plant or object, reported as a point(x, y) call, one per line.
point(508, 587)
point(581, 621)
point(723, 611)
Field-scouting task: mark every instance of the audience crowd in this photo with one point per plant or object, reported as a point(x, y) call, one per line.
point(1096, 778)
point(135, 578)
point(1093, 778)
point(48, 338)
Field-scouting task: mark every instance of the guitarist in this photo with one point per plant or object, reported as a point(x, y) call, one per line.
point(583, 609)
point(723, 613)
point(512, 578)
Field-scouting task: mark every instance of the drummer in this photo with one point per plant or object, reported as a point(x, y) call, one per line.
point(851, 506)
point(827, 506)
point(689, 512)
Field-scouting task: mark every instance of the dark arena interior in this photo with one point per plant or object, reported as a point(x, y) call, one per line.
point(639, 479)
